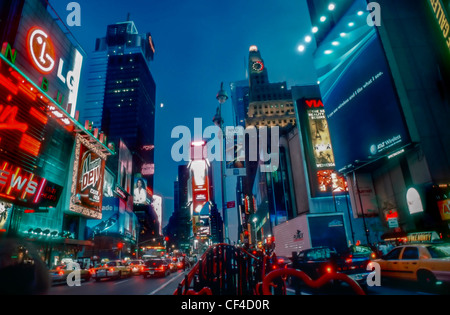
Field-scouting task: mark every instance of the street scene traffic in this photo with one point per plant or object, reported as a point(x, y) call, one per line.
point(233, 149)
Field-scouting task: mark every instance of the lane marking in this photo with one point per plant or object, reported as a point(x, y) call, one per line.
point(166, 284)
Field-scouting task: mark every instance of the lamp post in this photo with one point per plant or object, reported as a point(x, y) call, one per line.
point(222, 97)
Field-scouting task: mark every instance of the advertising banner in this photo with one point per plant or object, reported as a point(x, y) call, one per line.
point(358, 92)
point(87, 180)
point(324, 180)
point(140, 192)
point(200, 185)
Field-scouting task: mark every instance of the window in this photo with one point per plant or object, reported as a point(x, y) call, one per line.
point(393, 254)
point(410, 253)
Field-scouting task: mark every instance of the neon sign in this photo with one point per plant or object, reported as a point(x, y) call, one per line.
point(26, 188)
point(41, 50)
point(442, 19)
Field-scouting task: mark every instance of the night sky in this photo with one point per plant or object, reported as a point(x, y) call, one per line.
point(199, 44)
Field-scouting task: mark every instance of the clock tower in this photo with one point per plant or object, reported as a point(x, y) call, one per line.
point(270, 104)
point(257, 69)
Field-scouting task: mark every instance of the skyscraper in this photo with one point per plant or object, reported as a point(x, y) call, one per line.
point(120, 101)
point(120, 98)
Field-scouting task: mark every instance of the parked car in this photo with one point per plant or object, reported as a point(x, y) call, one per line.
point(136, 266)
point(115, 269)
point(156, 267)
point(318, 261)
point(425, 263)
point(59, 274)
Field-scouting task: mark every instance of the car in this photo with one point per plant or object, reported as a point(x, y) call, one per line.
point(156, 267)
point(427, 264)
point(172, 264)
point(59, 274)
point(136, 266)
point(115, 269)
point(318, 261)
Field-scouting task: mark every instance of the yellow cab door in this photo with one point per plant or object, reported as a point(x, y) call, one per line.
point(409, 263)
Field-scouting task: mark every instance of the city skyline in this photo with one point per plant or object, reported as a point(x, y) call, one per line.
point(199, 45)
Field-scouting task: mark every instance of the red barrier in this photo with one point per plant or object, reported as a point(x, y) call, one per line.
point(267, 281)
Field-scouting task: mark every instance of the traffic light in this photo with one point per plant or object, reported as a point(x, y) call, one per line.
point(119, 245)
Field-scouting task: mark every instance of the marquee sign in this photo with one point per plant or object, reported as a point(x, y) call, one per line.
point(87, 179)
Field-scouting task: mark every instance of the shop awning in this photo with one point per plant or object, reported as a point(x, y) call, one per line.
point(393, 235)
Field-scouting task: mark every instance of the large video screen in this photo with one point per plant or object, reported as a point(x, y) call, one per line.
point(361, 104)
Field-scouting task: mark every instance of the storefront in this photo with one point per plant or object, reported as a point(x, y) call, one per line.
point(40, 136)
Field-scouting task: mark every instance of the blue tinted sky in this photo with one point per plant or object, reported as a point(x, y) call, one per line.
point(199, 44)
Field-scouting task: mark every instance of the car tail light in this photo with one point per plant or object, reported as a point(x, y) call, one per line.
point(61, 273)
point(329, 269)
point(349, 260)
point(111, 269)
point(91, 271)
point(373, 255)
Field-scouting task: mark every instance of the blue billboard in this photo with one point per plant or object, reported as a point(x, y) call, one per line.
point(362, 108)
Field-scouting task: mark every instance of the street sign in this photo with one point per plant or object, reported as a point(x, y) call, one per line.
point(231, 204)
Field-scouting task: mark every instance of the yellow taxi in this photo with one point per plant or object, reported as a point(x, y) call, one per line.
point(59, 273)
point(426, 263)
point(114, 269)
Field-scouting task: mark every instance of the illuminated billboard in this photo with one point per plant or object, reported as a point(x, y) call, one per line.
point(157, 207)
point(200, 185)
point(125, 167)
point(362, 108)
point(43, 51)
point(140, 191)
point(324, 180)
point(87, 180)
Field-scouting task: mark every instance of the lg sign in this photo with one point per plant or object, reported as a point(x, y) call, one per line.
point(41, 50)
point(43, 56)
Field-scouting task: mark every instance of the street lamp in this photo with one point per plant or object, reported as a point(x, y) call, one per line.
point(222, 97)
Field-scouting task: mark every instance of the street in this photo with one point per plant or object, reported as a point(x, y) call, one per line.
point(135, 285)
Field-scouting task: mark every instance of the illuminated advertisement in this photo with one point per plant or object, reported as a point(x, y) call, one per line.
point(200, 185)
point(87, 180)
point(324, 180)
point(361, 104)
point(25, 188)
point(441, 194)
point(157, 207)
point(125, 167)
point(140, 191)
point(441, 13)
point(5, 211)
point(45, 54)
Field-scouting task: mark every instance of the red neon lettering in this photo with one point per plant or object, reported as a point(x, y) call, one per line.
point(30, 145)
point(41, 117)
point(8, 84)
point(8, 119)
point(314, 103)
